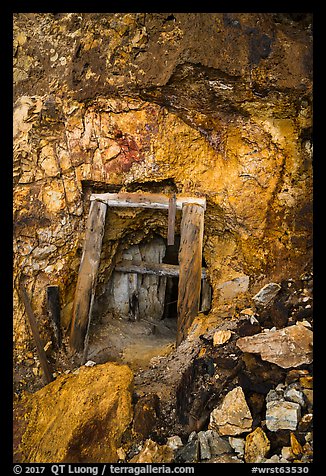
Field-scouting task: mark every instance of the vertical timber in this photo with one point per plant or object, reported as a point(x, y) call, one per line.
point(171, 219)
point(190, 262)
point(85, 289)
point(47, 375)
point(53, 308)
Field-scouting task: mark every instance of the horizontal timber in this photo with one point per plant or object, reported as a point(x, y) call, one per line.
point(159, 269)
point(145, 200)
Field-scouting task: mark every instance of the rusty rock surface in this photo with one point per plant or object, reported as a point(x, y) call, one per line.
point(217, 105)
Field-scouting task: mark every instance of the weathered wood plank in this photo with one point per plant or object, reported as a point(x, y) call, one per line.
point(171, 219)
point(47, 375)
point(53, 308)
point(143, 267)
point(87, 275)
point(144, 200)
point(206, 296)
point(190, 261)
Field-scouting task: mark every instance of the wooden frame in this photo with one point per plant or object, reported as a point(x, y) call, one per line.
point(190, 270)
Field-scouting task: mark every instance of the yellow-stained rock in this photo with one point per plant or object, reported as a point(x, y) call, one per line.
point(53, 196)
point(307, 382)
point(257, 446)
point(295, 445)
point(221, 337)
point(225, 134)
point(78, 418)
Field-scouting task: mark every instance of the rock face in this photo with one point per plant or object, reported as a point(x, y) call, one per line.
point(233, 417)
point(79, 418)
point(257, 446)
point(288, 347)
point(282, 415)
point(216, 105)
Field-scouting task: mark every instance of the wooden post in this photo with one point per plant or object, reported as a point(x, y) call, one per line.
point(53, 307)
point(48, 377)
point(85, 289)
point(190, 262)
point(171, 219)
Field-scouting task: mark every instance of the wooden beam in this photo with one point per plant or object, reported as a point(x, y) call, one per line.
point(190, 261)
point(144, 200)
point(143, 267)
point(171, 219)
point(85, 289)
point(47, 374)
point(53, 307)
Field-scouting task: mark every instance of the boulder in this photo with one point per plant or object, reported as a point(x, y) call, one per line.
point(79, 418)
point(282, 415)
point(289, 347)
point(266, 294)
point(233, 416)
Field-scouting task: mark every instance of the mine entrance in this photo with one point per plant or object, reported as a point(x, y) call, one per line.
point(184, 281)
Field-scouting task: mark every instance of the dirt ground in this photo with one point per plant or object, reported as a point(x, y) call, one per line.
point(131, 342)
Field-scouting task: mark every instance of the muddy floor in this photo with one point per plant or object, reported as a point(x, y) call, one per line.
point(135, 343)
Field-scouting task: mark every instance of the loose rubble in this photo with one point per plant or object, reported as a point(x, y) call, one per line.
point(234, 402)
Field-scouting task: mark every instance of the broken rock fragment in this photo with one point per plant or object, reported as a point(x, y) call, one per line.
point(188, 453)
point(152, 452)
point(238, 444)
point(174, 442)
point(282, 415)
point(289, 347)
point(293, 395)
point(266, 294)
point(221, 337)
point(233, 416)
point(257, 446)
